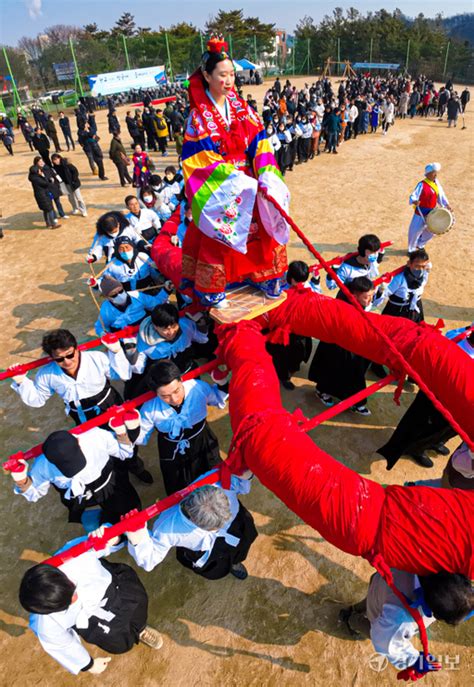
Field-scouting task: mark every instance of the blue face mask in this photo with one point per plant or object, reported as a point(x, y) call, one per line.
point(126, 255)
point(417, 273)
point(372, 257)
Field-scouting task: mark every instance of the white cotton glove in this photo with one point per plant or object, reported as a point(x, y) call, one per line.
point(91, 258)
point(21, 376)
point(169, 286)
point(21, 473)
point(99, 665)
point(221, 375)
point(99, 533)
point(132, 419)
point(117, 424)
point(93, 283)
point(113, 346)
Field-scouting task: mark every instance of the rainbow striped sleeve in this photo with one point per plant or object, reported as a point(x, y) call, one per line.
point(221, 196)
point(260, 151)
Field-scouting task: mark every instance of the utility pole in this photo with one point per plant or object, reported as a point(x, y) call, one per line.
point(170, 66)
point(126, 50)
point(446, 59)
point(408, 55)
point(370, 51)
point(16, 95)
point(77, 76)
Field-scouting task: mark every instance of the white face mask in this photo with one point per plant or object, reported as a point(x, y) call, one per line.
point(113, 234)
point(120, 298)
point(148, 199)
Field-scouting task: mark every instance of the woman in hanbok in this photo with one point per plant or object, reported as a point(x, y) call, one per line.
point(236, 235)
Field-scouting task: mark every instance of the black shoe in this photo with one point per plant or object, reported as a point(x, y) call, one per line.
point(441, 449)
point(378, 370)
point(423, 460)
point(144, 476)
point(287, 384)
point(239, 571)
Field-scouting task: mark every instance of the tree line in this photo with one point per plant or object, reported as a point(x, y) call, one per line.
point(381, 36)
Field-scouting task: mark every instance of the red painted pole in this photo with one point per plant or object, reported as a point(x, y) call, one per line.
point(132, 522)
point(110, 337)
point(340, 407)
point(113, 411)
point(317, 267)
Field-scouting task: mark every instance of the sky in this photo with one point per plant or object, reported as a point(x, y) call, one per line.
point(29, 17)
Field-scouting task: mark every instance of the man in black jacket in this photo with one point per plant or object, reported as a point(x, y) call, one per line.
point(97, 154)
point(52, 132)
point(41, 144)
point(66, 129)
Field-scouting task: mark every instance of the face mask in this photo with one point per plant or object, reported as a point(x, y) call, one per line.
point(373, 257)
point(157, 188)
point(120, 298)
point(148, 199)
point(126, 255)
point(269, 132)
point(417, 273)
point(113, 234)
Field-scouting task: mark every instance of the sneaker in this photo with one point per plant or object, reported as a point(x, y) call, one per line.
point(423, 460)
point(56, 225)
point(287, 384)
point(104, 178)
point(325, 398)
point(76, 212)
point(361, 410)
point(84, 214)
point(65, 217)
point(239, 571)
point(441, 449)
point(151, 637)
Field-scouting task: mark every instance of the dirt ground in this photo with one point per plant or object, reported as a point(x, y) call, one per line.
point(280, 626)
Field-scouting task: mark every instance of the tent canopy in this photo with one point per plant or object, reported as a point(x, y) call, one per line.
point(246, 64)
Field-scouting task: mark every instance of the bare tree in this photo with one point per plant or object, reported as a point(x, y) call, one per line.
point(60, 33)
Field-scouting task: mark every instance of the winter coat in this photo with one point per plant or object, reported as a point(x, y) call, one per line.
point(41, 189)
point(41, 143)
point(68, 173)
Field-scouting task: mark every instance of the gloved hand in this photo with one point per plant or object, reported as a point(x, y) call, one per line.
point(174, 240)
point(117, 424)
point(419, 669)
point(169, 286)
point(113, 346)
point(20, 473)
point(93, 283)
point(132, 419)
point(91, 258)
point(331, 284)
point(99, 665)
point(220, 375)
point(21, 376)
point(134, 536)
point(99, 533)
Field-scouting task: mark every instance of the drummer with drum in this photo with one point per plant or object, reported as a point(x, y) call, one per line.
point(432, 210)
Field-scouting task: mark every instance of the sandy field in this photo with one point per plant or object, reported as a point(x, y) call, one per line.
point(280, 626)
